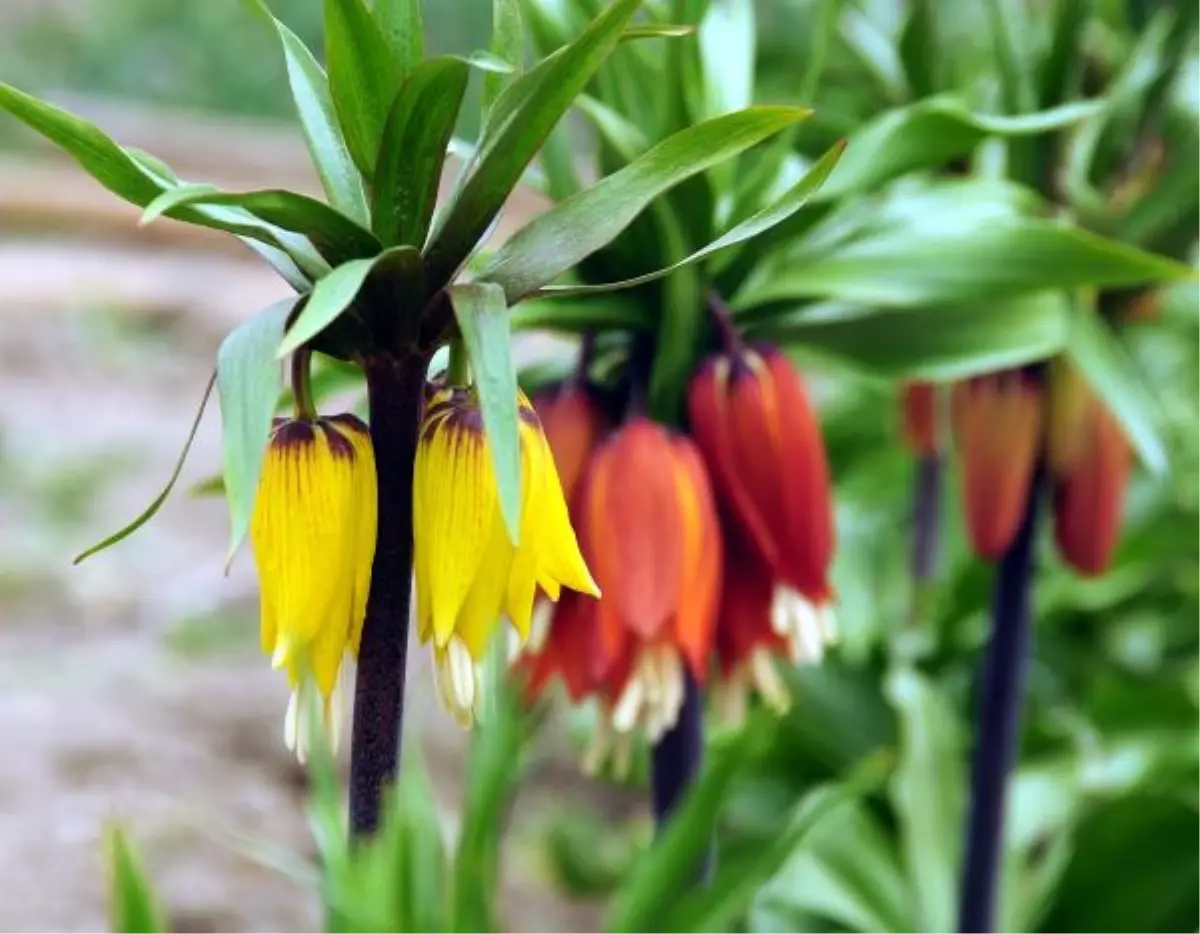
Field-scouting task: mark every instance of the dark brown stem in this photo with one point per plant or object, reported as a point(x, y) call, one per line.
point(301, 386)
point(395, 389)
point(722, 319)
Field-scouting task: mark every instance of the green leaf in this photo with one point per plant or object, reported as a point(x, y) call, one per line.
point(413, 874)
point(930, 133)
point(915, 267)
point(559, 238)
point(415, 138)
point(828, 12)
point(1010, 33)
point(927, 342)
point(787, 205)
point(718, 906)
point(310, 91)
point(133, 906)
point(148, 513)
point(927, 794)
point(508, 44)
point(519, 123)
point(666, 868)
point(1058, 72)
point(100, 157)
point(588, 313)
point(331, 296)
point(846, 870)
point(248, 383)
point(1099, 356)
point(400, 23)
point(482, 316)
point(337, 238)
point(363, 77)
point(493, 769)
point(919, 49)
point(726, 38)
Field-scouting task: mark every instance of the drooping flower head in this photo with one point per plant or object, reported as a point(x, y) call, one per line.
point(468, 571)
point(751, 418)
point(1090, 461)
point(313, 537)
point(651, 533)
point(997, 422)
point(919, 418)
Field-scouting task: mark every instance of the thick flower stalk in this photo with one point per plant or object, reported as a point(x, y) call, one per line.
point(997, 422)
point(468, 571)
point(313, 537)
point(1090, 462)
point(651, 533)
point(751, 418)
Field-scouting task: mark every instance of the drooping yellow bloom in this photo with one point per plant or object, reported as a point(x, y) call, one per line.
point(313, 537)
point(468, 571)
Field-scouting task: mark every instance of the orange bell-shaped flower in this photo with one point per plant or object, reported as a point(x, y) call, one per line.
point(1089, 490)
point(997, 423)
point(573, 423)
point(650, 527)
point(752, 420)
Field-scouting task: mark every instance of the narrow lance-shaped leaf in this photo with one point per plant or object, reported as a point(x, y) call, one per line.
point(482, 316)
point(336, 237)
point(558, 239)
point(125, 176)
point(331, 296)
point(314, 105)
point(764, 220)
point(132, 903)
point(718, 906)
point(931, 133)
point(1007, 257)
point(417, 873)
point(726, 40)
point(363, 77)
point(513, 136)
point(1097, 353)
point(665, 869)
point(934, 342)
point(927, 794)
point(508, 44)
point(148, 513)
point(248, 383)
point(400, 23)
point(415, 137)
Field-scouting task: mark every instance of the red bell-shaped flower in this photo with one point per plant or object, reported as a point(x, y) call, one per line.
point(997, 422)
point(650, 528)
point(1089, 490)
point(751, 418)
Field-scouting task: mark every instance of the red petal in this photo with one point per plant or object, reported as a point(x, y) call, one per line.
point(700, 585)
point(804, 524)
point(641, 531)
point(1088, 500)
point(997, 425)
point(745, 614)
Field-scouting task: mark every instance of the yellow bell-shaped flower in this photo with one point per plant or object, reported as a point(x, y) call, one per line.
point(467, 569)
point(313, 538)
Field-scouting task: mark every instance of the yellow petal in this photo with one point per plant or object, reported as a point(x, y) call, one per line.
point(559, 557)
point(457, 493)
point(481, 610)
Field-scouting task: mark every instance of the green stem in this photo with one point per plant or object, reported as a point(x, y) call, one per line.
point(458, 369)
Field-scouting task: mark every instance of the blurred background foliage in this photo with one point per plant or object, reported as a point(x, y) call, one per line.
point(1104, 807)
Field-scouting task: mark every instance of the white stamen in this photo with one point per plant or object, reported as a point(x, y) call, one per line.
point(730, 700)
point(291, 727)
point(767, 680)
point(625, 715)
point(539, 624)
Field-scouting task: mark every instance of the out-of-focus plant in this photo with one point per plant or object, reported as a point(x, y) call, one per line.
point(936, 221)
